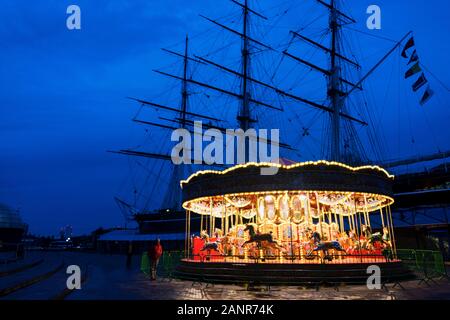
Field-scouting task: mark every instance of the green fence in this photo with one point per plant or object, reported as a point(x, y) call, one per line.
point(167, 263)
point(428, 263)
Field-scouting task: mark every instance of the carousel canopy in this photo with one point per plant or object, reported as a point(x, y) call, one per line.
point(297, 191)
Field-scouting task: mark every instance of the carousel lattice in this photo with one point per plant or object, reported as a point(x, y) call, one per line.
point(312, 213)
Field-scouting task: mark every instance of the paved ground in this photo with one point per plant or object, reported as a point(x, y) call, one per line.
point(108, 278)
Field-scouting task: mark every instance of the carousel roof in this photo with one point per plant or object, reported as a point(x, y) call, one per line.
point(312, 175)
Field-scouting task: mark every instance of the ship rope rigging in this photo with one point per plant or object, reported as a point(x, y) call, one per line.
point(222, 88)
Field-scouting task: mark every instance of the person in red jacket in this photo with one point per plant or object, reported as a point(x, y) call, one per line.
point(154, 253)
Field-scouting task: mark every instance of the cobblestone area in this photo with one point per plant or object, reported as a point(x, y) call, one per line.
point(108, 278)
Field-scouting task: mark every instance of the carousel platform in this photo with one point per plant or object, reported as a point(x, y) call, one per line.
point(288, 273)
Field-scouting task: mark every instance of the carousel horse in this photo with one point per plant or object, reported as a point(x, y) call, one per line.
point(218, 233)
point(366, 230)
point(259, 238)
point(324, 246)
point(355, 243)
point(372, 238)
point(227, 245)
point(208, 246)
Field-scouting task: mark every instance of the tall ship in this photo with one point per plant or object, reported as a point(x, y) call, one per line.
point(297, 67)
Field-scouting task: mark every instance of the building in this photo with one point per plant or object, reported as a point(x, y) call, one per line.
point(12, 228)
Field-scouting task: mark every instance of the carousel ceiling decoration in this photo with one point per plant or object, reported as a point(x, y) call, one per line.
point(287, 206)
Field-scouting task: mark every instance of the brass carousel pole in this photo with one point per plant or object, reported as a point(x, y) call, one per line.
point(394, 245)
point(366, 213)
point(210, 217)
point(308, 210)
point(358, 230)
point(201, 224)
point(186, 235)
point(189, 233)
point(382, 217)
point(320, 215)
point(222, 220)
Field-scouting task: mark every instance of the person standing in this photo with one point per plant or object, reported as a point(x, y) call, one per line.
point(129, 254)
point(154, 253)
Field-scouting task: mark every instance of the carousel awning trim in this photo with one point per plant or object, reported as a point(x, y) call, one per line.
point(292, 166)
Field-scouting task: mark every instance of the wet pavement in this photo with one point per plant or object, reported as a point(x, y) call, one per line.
point(108, 278)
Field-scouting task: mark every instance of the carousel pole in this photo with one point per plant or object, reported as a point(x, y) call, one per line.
point(388, 224)
point(382, 218)
point(366, 213)
point(394, 245)
point(355, 220)
point(358, 229)
point(222, 222)
point(189, 233)
point(338, 221)
point(201, 224)
point(320, 215)
point(226, 216)
point(329, 225)
point(210, 216)
point(186, 234)
point(292, 241)
point(299, 243)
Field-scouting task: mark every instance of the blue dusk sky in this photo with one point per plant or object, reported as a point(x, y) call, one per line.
point(63, 92)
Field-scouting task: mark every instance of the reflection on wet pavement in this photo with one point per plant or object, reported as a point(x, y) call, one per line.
point(108, 278)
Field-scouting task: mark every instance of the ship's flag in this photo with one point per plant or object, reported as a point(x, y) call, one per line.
point(413, 70)
point(408, 45)
point(419, 83)
point(426, 96)
point(414, 57)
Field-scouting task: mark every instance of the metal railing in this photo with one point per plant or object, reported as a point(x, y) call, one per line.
point(167, 263)
point(426, 263)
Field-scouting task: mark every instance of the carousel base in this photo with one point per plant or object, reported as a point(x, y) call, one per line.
point(288, 273)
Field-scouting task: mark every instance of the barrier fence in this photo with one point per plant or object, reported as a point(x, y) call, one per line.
point(167, 263)
point(426, 263)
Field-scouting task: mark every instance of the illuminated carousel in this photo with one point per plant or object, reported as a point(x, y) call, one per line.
point(310, 222)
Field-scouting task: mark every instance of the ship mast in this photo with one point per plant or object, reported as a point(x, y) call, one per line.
point(334, 85)
point(172, 199)
point(244, 115)
point(184, 93)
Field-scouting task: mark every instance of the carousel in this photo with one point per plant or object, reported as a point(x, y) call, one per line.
point(309, 221)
